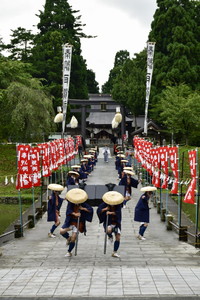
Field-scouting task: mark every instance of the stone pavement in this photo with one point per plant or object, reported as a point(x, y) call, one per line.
point(34, 267)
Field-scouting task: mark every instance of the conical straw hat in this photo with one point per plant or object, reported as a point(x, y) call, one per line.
point(75, 167)
point(55, 187)
point(121, 155)
point(129, 172)
point(113, 198)
point(76, 196)
point(128, 168)
point(73, 173)
point(148, 189)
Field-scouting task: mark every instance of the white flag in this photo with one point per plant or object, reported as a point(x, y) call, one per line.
point(67, 55)
point(150, 55)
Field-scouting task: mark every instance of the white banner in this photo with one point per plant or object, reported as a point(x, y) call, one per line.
point(150, 55)
point(67, 55)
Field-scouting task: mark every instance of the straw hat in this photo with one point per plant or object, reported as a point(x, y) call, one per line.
point(121, 155)
point(84, 160)
point(75, 167)
point(76, 196)
point(124, 160)
point(73, 173)
point(88, 156)
point(113, 198)
point(92, 151)
point(55, 187)
point(148, 189)
point(129, 172)
point(128, 168)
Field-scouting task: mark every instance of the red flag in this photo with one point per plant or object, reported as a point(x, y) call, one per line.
point(24, 180)
point(173, 156)
point(190, 194)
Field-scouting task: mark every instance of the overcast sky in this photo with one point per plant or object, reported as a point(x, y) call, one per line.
point(118, 25)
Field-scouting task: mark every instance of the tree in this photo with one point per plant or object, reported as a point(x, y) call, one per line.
point(20, 45)
point(26, 111)
point(179, 110)
point(129, 86)
point(58, 26)
point(176, 31)
point(120, 59)
point(92, 84)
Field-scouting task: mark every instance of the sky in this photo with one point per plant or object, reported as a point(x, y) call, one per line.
point(118, 25)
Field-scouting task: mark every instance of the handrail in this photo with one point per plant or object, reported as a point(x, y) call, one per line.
point(7, 233)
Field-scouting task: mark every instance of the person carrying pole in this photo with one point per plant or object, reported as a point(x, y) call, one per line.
point(109, 213)
point(77, 213)
point(54, 205)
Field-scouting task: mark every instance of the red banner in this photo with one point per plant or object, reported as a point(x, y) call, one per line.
point(164, 166)
point(190, 194)
point(173, 157)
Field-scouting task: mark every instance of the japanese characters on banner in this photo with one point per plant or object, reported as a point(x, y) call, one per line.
point(190, 194)
point(36, 162)
point(150, 55)
point(164, 166)
point(24, 179)
point(157, 162)
point(173, 157)
point(67, 56)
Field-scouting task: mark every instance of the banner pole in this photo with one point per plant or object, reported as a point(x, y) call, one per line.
point(197, 200)
point(179, 194)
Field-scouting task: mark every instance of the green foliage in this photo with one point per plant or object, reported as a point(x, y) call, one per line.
point(129, 86)
point(179, 110)
point(9, 213)
point(176, 31)
point(20, 44)
point(120, 59)
point(92, 84)
point(58, 26)
point(26, 112)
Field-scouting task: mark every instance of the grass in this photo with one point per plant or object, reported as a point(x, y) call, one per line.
point(9, 213)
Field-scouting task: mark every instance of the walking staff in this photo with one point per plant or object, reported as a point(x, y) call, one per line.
point(109, 213)
point(77, 214)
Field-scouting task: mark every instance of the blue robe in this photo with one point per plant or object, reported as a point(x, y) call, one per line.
point(51, 210)
point(102, 215)
point(142, 210)
point(134, 183)
point(85, 216)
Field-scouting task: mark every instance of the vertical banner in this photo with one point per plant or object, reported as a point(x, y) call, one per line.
point(190, 194)
point(67, 55)
point(150, 55)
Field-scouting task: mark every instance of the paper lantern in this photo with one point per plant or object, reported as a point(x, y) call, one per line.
point(73, 122)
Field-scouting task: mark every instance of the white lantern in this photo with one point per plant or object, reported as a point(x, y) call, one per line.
point(73, 122)
point(58, 118)
point(114, 124)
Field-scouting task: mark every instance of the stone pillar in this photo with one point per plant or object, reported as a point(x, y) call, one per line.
point(169, 219)
point(183, 233)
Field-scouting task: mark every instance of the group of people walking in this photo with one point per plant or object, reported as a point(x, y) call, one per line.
point(109, 212)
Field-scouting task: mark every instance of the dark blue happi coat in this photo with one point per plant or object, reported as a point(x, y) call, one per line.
point(142, 209)
point(133, 183)
point(102, 215)
point(85, 216)
point(51, 210)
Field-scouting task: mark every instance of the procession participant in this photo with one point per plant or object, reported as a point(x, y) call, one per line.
point(128, 182)
point(77, 169)
point(142, 210)
point(54, 205)
point(119, 157)
point(72, 178)
point(123, 163)
point(84, 167)
point(109, 213)
point(77, 213)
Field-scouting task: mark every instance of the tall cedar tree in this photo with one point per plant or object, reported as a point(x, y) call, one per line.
point(58, 26)
point(120, 58)
point(176, 31)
